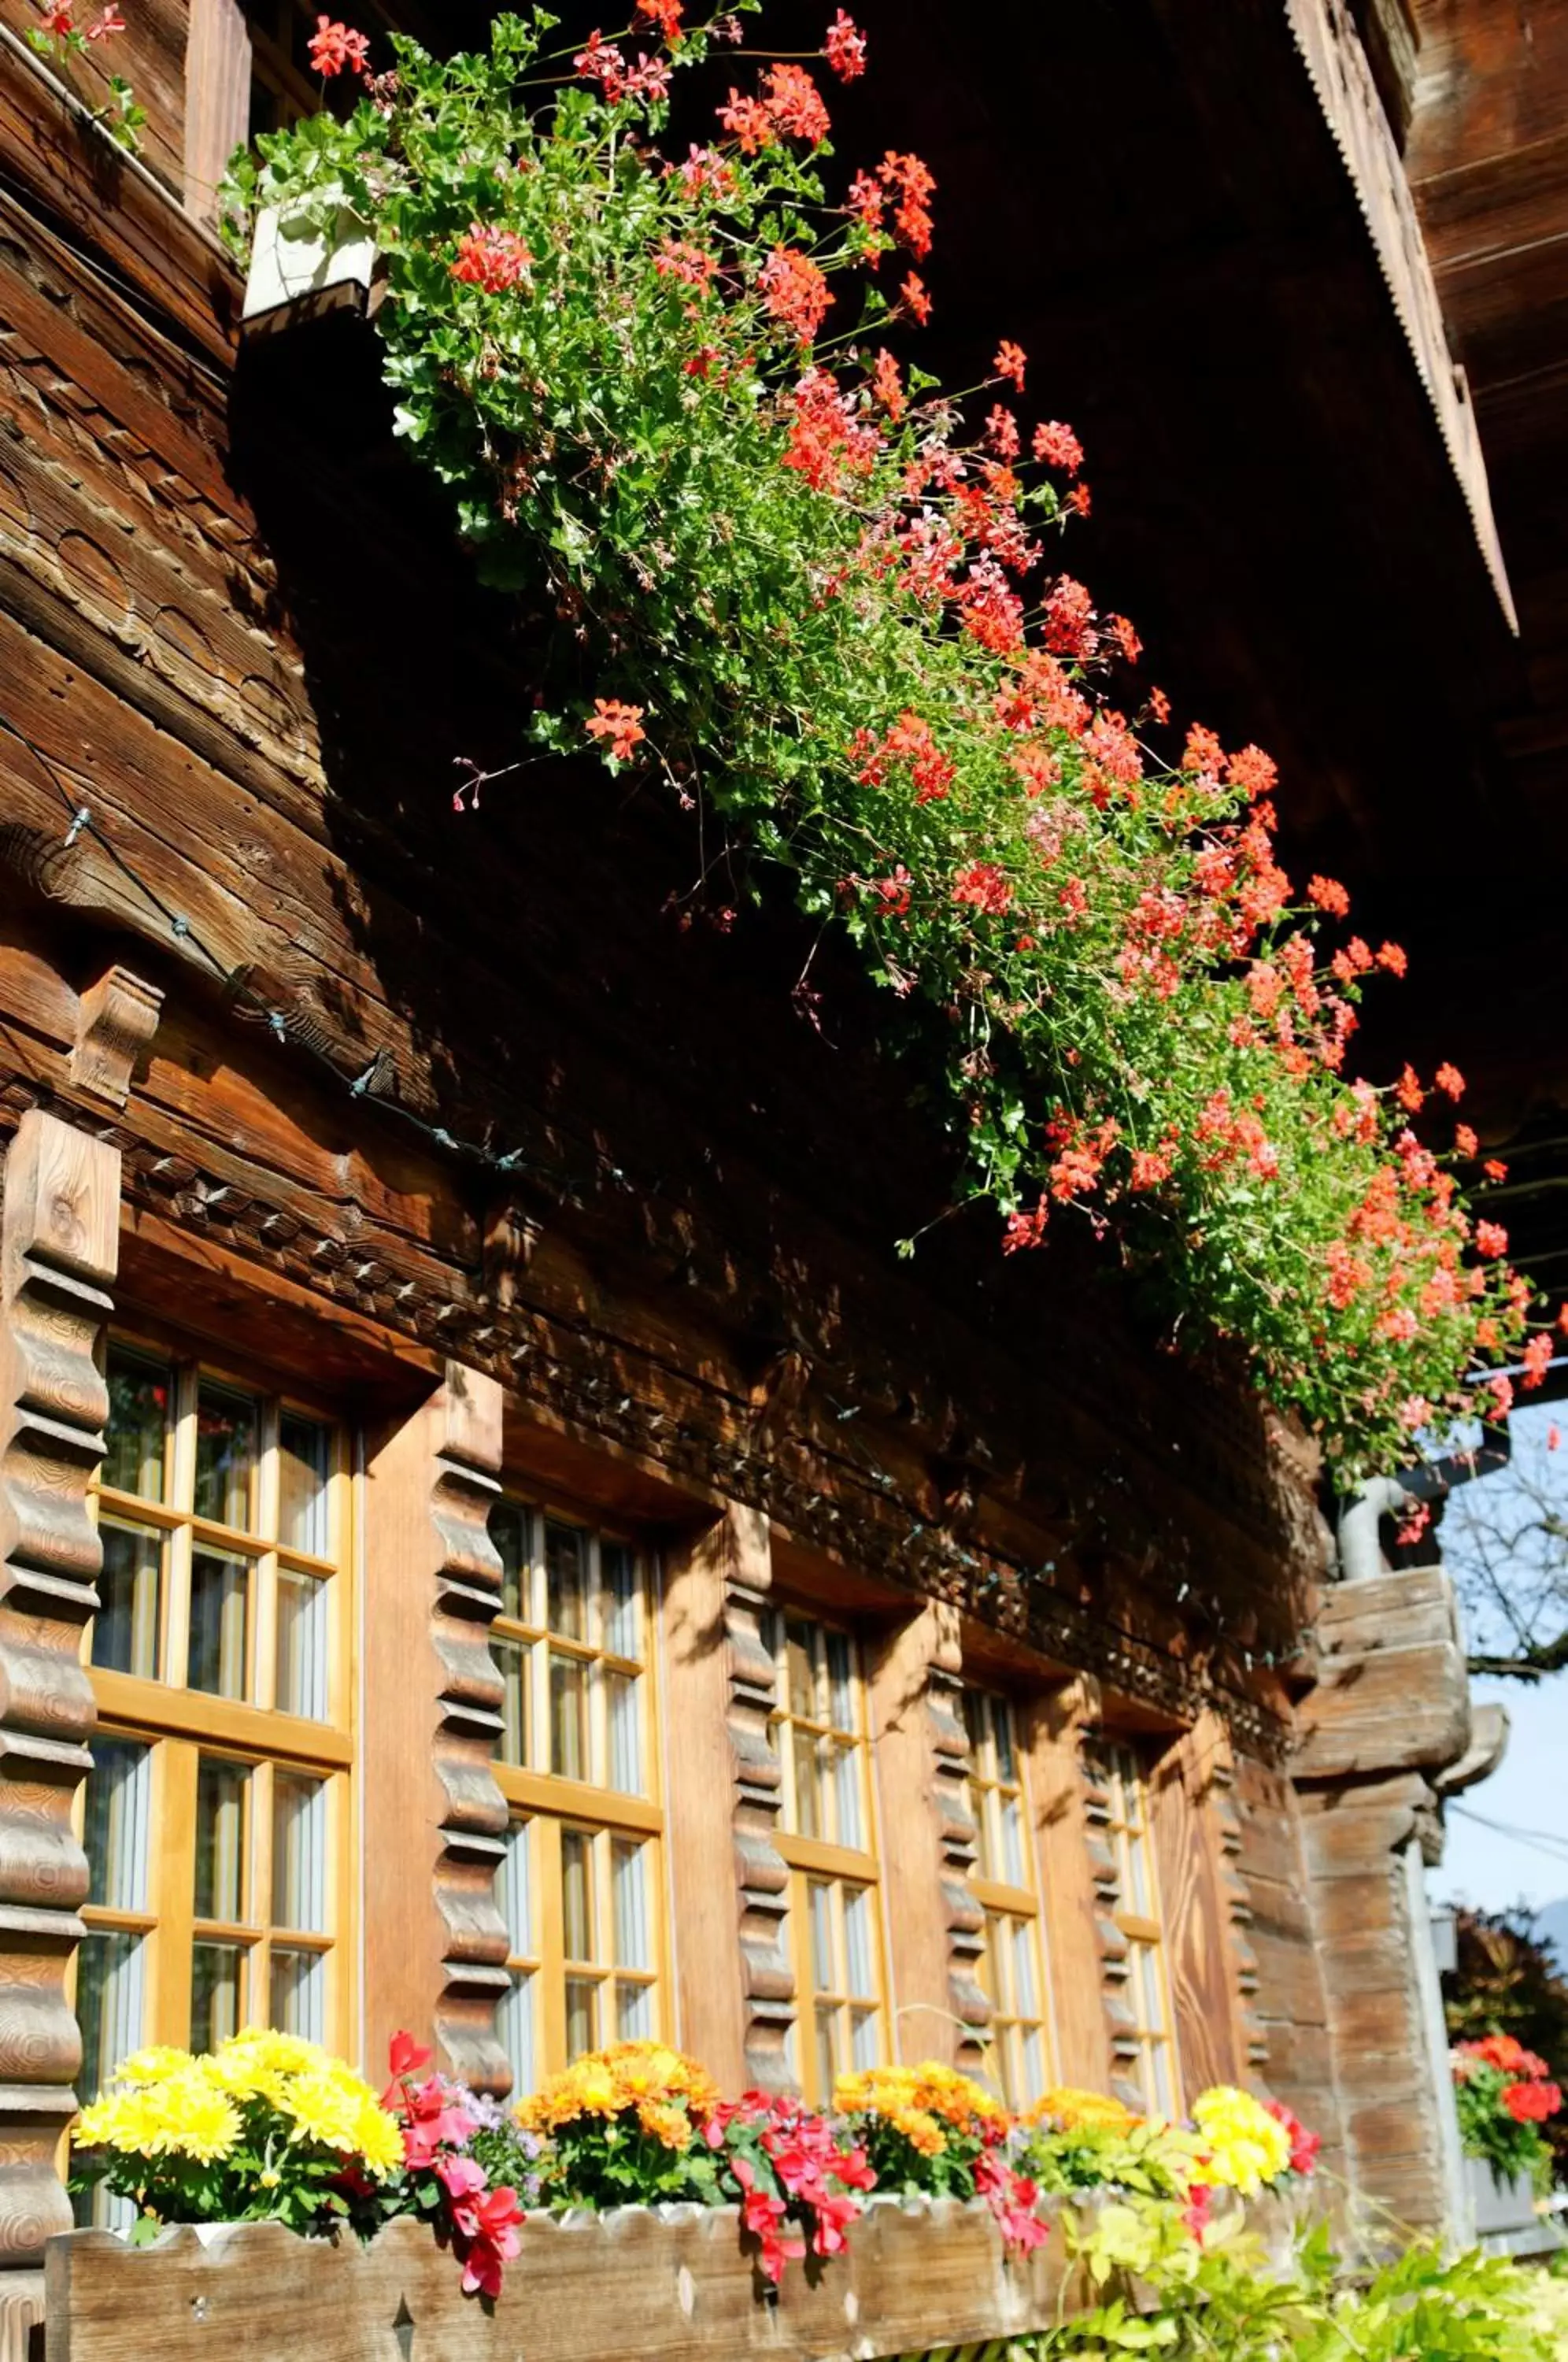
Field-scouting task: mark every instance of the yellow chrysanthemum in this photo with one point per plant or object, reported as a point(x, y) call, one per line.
point(378, 2139)
point(325, 2104)
point(1076, 2111)
point(1245, 2145)
point(185, 2115)
point(646, 2075)
point(919, 2100)
point(152, 2065)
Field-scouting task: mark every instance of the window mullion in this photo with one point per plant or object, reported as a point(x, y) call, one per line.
point(173, 1887)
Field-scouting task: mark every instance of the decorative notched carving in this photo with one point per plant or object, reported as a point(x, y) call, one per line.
point(116, 1019)
point(1110, 1942)
point(767, 1981)
point(465, 1481)
point(59, 1251)
point(956, 1839)
point(1236, 1904)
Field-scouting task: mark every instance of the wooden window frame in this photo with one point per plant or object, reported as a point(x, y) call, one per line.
point(1144, 1933)
point(824, 1861)
point(183, 1726)
point(549, 1804)
point(1007, 1906)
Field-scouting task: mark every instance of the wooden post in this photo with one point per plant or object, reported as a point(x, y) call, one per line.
point(934, 1924)
point(434, 1816)
point(59, 1253)
point(767, 1979)
point(1074, 1861)
point(1197, 1956)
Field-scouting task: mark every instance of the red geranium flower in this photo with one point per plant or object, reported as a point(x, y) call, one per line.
point(335, 49)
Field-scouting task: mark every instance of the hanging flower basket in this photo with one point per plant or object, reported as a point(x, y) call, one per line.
point(680, 2283)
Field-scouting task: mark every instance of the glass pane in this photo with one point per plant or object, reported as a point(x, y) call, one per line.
point(514, 2022)
point(1160, 2077)
point(577, 1894)
point(1023, 1969)
point(840, 1683)
point(217, 1993)
point(221, 1799)
point(801, 1671)
point(864, 2047)
point(808, 1786)
point(823, 1975)
point(299, 1853)
point(619, 1570)
point(124, 1630)
point(1001, 1726)
point(568, 1717)
point(228, 1442)
point(110, 1995)
point(514, 1894)
point(509, 1532)
point(1138, 1896)
point(827, 2060)
point(119, 1816)
point(299, 1992)
point(999, 1965)
point(1011, 1816)
point(220, 1587)
point(581, 2016)
point(301, 1644)
point(981, 1800)
point(512, 1662)
point(1032, 2067)
point(1150, 1999)
point(633, 2013)
point(566, 1581)
point(974, 1727)
point(857, 1939)
point(623, 1698)
point(629, 1883)
point(846, 1795)
point(139, 1394)
point(304, 1464)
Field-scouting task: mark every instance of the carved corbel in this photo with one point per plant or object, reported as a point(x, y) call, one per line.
point(116, 1019)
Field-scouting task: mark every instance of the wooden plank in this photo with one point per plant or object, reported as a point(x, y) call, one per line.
point(1198, 1959)
point(916, 1909)
point(217, 99)
point(150, 55)
point(1053, 1724)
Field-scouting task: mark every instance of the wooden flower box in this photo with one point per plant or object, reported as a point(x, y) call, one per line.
point(666, 2284)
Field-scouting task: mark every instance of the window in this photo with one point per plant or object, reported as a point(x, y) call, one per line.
point(820, 1731)
point(579, 1884)
point(215, 1817)
point(1006, 1886)
point(1138, 1918)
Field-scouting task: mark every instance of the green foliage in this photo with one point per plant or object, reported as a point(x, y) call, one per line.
point(764, 564)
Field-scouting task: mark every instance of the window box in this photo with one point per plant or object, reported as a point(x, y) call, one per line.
point(675, 2281)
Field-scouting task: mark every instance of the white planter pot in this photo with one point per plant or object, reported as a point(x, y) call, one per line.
point(298, 268)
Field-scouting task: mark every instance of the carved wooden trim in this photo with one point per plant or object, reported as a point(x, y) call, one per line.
point(1235, 1902)
point(1110, 1942)
point(59, 1253)
point(767, 1979)
point(465, 1481)
point(965, 1921)
point(116, 1019)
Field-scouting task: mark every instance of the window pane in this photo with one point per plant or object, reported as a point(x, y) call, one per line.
point(514, 1894)
point(1159, 2067)
point(124, 1630)
point(1150, 2000)
point(566, 1581)
point(568, 1717)
point(630, 1887)
point(619, 1569)
point(864, 2045)
point(633, 2013)
point(514, 2022)
point(299, 1853)
point(827, 2059)
point(808, 1786)
point(623, 1699)
point(982, 1801)
point(1012, 1840)
point(846, 1795)
point(217, 1993)
point(138, 1416)
point(1023, 1969)
point(301, 1644)
point(1001, 1725)
point(581, 2016)
point(110, 2000)
point(304, 1464)
point(512, 1662)
point(119, 1817)
point(1138, 1896)
point(841, 1687)
point(801, 1671)
point(823, 1975)
point(299, 1992)
point(220, 1588)
point(577, 1894)
point(509, 1532)
point(857, 1939)
point(1032, 2067)
point(227, 1441)
point(975, 1726)
point(223, 1792)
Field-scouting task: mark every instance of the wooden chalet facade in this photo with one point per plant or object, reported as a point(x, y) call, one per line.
point(496, 1542)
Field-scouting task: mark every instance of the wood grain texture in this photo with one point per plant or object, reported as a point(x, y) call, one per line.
point(914, 2273)
point(58, 1260)
point(116, 1020)
point(433, 1814)
point(217, 99)
point(1198, 1961)
point(934, 1926)
point(1392, 1689)
point(762, 1875)
point(1072, 1862)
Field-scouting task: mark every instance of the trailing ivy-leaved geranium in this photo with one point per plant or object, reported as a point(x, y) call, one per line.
point(668, 393)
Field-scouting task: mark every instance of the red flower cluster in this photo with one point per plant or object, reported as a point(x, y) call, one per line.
point(1303, 2146)
point(789, 106)
point(483, 2224)
point(795, 291)
point(335, 49)
point(491, 259)
point(799, 2184)
point(845, 48)
point(621, 725)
